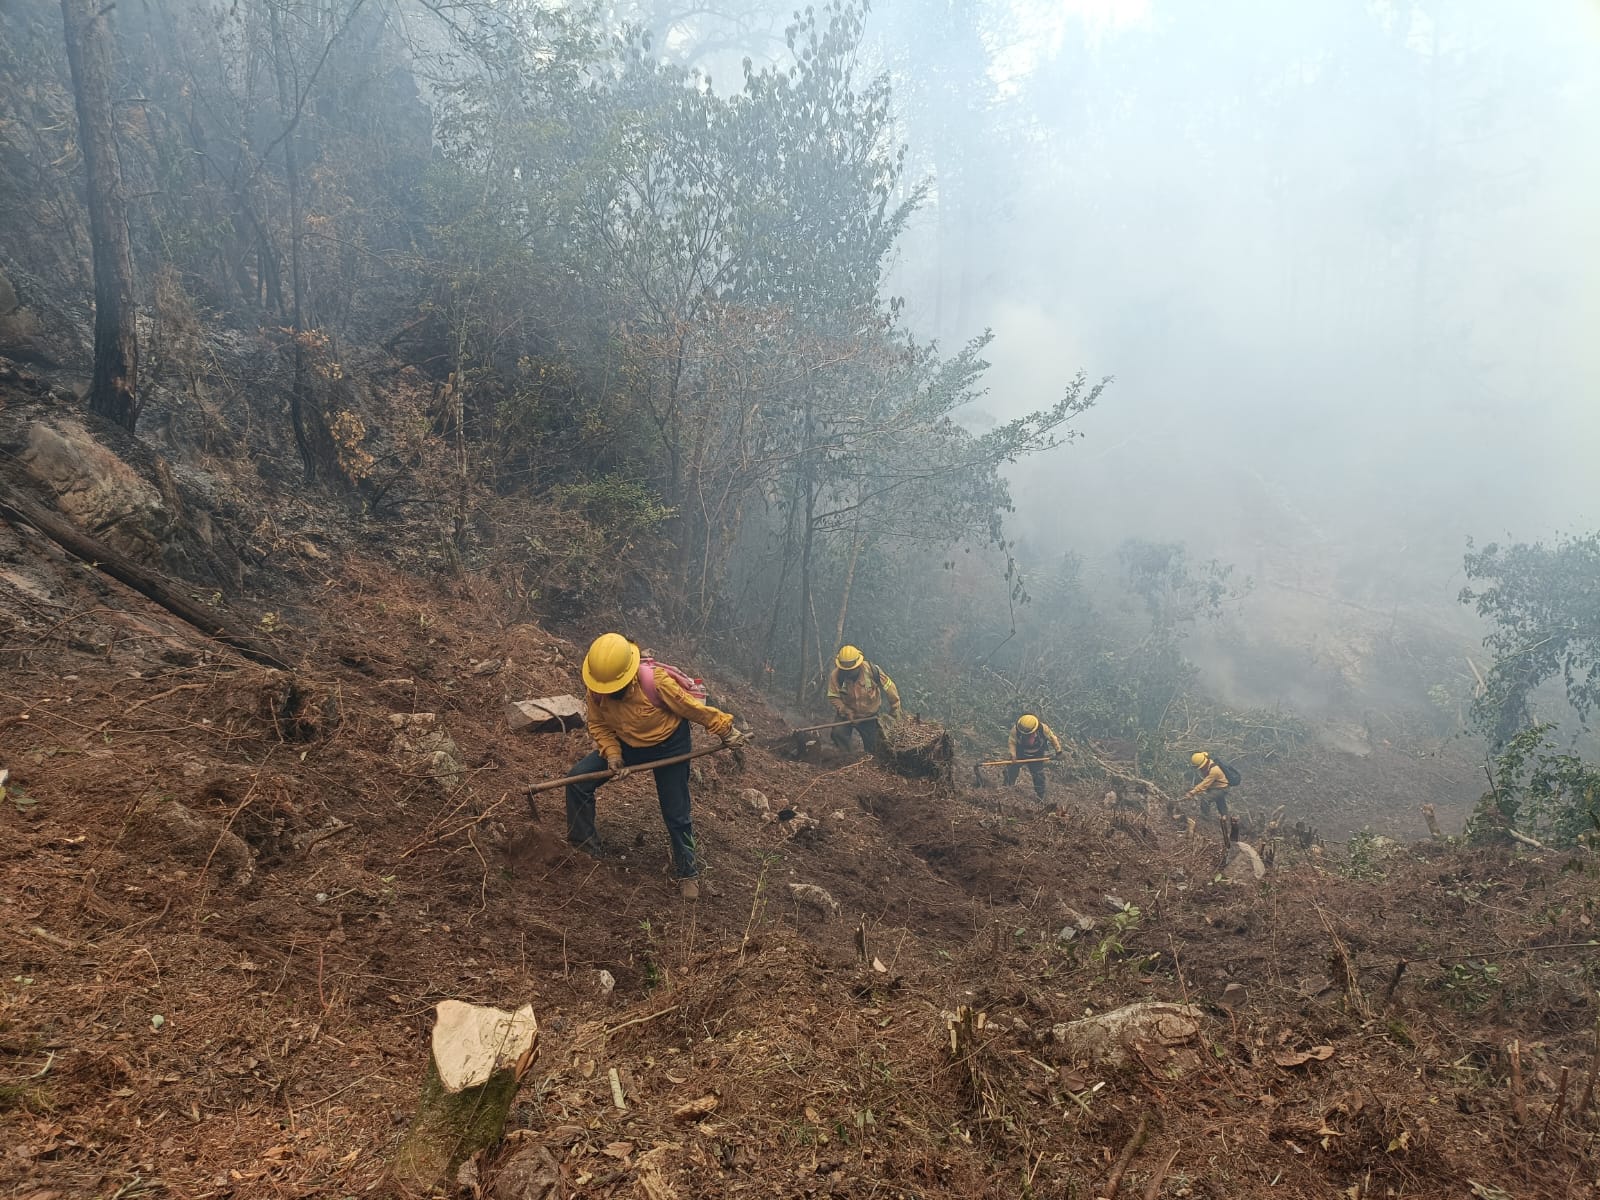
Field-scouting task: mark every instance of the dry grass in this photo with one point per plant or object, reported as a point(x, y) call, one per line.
point(294, 1006)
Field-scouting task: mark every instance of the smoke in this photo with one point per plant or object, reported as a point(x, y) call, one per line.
point(1341, 260)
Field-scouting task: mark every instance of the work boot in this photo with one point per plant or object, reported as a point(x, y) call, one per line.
point(689, 889)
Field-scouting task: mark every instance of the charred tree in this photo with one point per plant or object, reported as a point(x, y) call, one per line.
point(300, 397)
point(114, 392)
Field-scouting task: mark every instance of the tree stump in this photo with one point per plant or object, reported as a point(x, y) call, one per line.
point(476, 1062)
point(921, 749)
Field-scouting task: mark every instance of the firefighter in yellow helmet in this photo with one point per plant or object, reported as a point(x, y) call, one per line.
point(1031, 738)
point(630, 730)
point(1214, 783)
point(859, 691)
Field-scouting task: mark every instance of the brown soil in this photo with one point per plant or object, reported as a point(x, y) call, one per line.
point(179, 1016)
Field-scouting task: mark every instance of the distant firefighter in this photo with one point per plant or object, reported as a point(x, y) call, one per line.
point(1215, 780)
point(858, 691)
point(1030, 738)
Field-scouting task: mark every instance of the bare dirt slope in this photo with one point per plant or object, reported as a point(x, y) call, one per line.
point(232, 896)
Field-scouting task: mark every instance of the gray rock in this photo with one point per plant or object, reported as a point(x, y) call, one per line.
point(1108, 1038)
point(420, 747)
point(99, 492)
point(815, 897)
point(177, 832)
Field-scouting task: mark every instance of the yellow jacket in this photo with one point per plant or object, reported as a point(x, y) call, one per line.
point(861, 696)
point(1215, 778)
point(1038, 738)
point(628, 716)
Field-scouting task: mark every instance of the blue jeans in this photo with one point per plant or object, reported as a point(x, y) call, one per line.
point(672, 790)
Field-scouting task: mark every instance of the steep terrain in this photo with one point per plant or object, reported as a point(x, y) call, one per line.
point(234, 895)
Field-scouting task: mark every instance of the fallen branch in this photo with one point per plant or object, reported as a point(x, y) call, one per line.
point(616, 1089)
point(433, 838)
point(335, 831)
point(182, 687)
point(1591, 944)
point(19, 510)
point(865, 758)
point(1125, 1160)
point(1524, 839)
point(1122, 776)
point(1511, 833)
point(1153, 1189)
point(603, 1033)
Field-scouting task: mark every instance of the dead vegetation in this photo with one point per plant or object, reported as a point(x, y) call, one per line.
point(235, 896)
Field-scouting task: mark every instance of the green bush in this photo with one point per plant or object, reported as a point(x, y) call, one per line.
point(1540, 791)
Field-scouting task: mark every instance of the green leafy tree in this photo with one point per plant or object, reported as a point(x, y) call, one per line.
point(1541, 791)
point(1543, 603)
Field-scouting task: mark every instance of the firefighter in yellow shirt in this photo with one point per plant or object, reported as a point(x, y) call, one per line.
point(1214, 783)
point(858, 691)
point(629, 730)
point(1029, 739)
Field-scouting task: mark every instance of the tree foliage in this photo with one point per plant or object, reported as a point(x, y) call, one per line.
point(1540, 790)
point(1543, 603)
point(647, 353)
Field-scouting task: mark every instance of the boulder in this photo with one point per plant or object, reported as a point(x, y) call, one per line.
point(815, 897)
point(546, 714)
point(421, 748)
point(100, 493)
point(33, 328)
point(175, 831)
point(1247, 852)
point(1114, 1038)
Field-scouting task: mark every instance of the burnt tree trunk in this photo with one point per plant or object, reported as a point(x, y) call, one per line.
point(18, 509)
point(114, 392)
point(311, 436)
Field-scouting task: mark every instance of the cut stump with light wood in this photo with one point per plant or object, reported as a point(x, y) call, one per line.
point(476, 1062)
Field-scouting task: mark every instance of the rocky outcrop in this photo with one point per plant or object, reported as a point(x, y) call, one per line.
point(96, 490)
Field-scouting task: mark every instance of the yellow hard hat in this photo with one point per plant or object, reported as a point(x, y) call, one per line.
point(849, 658)
point(611, 663)
point(1028, 723)
point(1198, 758)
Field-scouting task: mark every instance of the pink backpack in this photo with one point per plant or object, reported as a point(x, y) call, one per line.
point(648, 667)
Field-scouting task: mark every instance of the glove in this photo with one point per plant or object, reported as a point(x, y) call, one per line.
point(895, 712)
point(735, 737)
point(618, 771)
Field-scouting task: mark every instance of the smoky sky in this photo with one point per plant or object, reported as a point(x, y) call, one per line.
point(1342, 258)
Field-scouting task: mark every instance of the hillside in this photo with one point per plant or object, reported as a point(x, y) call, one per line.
point(236, 894)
